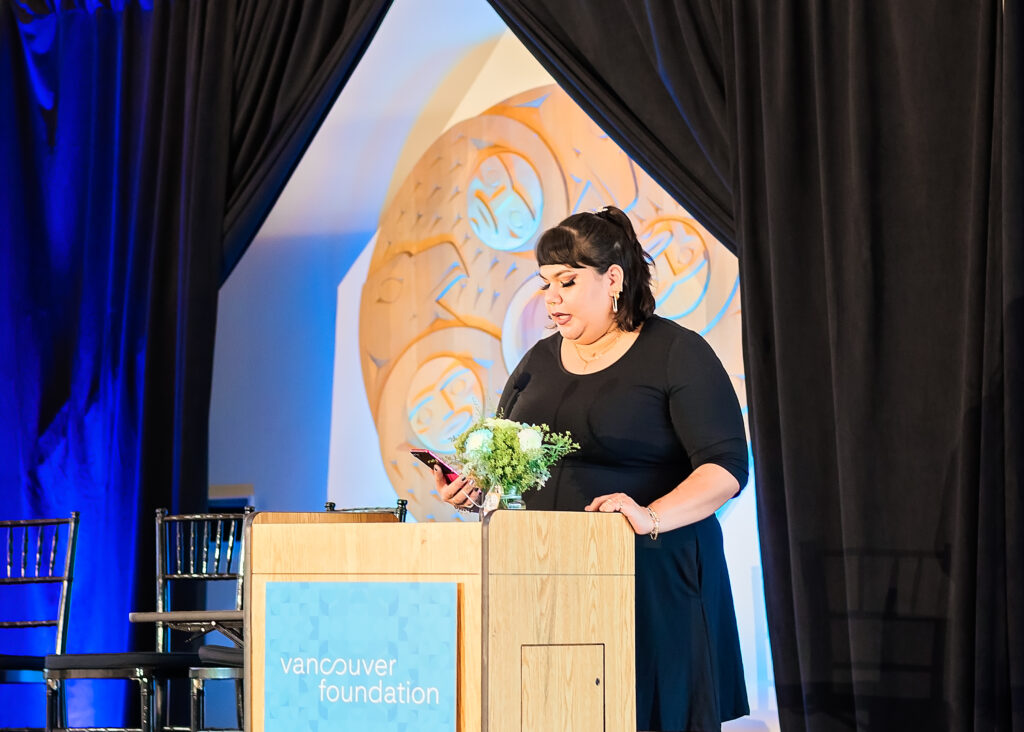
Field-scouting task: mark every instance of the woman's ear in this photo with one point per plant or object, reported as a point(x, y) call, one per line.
point(614, 277)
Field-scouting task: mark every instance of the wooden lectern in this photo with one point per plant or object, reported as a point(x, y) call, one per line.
point(545, 606)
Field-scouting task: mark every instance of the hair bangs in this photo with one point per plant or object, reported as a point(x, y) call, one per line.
point(560, 245)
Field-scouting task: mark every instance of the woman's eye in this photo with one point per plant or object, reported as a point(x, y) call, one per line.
point(561, 283)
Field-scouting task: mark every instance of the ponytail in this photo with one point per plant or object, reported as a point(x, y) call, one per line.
point(636, 303)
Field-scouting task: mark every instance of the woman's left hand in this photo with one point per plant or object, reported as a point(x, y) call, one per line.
point(637, 515)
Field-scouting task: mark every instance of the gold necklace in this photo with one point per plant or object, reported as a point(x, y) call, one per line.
point(601, 351)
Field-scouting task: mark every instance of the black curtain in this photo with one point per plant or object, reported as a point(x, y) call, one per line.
point(620, 61)
point(142, 142)
point(290, 62)
point(864, 159)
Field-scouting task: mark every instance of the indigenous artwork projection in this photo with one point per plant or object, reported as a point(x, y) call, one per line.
point(452, 298)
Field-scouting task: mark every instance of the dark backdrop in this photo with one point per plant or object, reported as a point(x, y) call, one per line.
point(864, 160)
point(142, 142)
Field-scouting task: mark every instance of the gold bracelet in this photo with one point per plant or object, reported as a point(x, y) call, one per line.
point(656, 520)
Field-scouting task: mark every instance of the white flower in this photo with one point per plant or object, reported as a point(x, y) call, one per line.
point(479, 440)
point(499, 422)
point(530, 439)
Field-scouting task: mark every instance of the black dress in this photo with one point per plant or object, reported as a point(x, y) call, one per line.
point(643, 424)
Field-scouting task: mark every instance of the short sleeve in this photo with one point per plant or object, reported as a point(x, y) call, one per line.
point(703, 407)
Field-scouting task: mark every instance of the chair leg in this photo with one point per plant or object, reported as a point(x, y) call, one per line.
point(240, 703)
point(161, 714)
point(56, 705)
point(196, 707)
point(62, 704)
point(52, 700)
point(146, 705)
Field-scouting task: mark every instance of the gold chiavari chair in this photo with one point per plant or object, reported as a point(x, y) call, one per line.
point(35, 590)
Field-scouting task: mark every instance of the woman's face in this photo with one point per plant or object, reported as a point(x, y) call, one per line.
point(578, 299)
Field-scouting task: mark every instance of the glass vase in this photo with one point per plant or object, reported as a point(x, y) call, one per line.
point(512, 500)
point(499, 497)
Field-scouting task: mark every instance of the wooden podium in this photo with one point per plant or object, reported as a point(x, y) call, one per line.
point(545, 606)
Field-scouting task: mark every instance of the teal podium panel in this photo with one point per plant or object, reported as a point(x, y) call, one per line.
point(368, 656)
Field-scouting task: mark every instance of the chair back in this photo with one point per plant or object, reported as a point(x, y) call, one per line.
point(197, 548)
point(399, 511)
point(38, 552)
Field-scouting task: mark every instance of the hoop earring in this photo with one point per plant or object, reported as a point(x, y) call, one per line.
point(615, 302)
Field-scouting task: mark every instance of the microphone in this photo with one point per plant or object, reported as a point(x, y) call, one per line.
point(517, 388)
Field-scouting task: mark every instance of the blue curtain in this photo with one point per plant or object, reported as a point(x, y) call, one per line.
point(142, 142)
point(109, 258)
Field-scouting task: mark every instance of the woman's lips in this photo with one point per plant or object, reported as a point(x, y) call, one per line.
point(561, 318)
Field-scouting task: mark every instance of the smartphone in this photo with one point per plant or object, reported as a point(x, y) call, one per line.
point(430, 460)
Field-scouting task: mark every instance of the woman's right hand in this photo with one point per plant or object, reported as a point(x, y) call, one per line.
point(461, 492)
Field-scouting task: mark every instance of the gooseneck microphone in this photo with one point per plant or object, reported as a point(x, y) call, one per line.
point(517, 388)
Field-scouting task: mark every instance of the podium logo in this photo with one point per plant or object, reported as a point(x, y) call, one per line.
point(347, 693)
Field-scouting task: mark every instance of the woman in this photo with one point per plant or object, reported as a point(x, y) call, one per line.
point(661, 442)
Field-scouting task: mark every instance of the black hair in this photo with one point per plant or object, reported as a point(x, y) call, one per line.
point(600, 240)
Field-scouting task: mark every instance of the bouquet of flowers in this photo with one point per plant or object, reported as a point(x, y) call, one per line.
point(507, 457)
